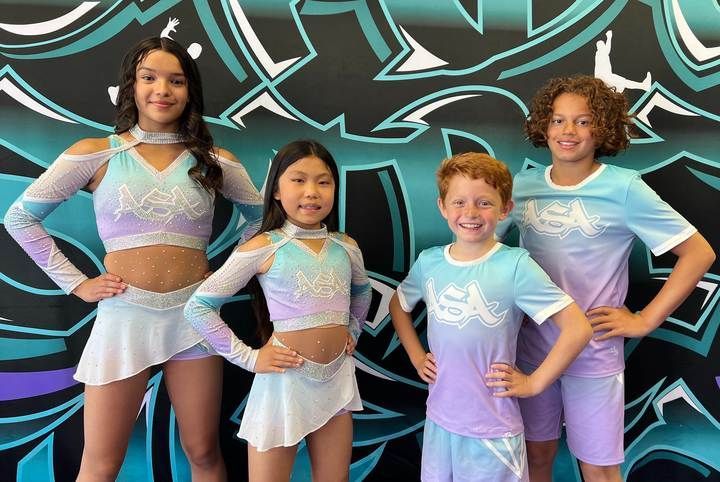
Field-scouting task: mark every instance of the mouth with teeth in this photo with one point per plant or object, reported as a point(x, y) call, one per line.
point(310, 207)
point(470, 226)
point(568, 144)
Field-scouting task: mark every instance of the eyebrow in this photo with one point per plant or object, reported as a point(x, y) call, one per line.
point(142, 67)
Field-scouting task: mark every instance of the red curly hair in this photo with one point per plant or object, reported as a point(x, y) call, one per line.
point(475, 165)
point(611, 123)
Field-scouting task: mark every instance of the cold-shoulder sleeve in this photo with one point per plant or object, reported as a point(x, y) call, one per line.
point(238, 188)
point(360, 289)
point(203, 309)
point(66, 175)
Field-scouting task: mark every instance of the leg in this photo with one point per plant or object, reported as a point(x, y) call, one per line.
point(330, 449)
point(195, 389)
point(274, 465)
point(106, 437)
point(542, 417)
point(541, 456)
point(600, 473)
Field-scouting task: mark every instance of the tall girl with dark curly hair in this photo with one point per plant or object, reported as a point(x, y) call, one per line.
point(154, 183)
point(579, 218)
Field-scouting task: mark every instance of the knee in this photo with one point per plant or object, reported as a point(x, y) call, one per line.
point(98, 469)
point(541, 455)
point(600, 473)
point(204, 455)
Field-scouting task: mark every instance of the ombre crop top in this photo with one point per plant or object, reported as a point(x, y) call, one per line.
point(303, 289)
point(135, 205)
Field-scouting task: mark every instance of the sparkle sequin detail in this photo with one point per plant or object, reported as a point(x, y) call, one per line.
point(155, 300)
point(311, 321)
point(320, 372)
point(156, 137)
point(151, 239)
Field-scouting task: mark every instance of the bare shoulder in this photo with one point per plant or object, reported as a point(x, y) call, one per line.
point(90, 145)
point(260, 241)
point(224, 153)
point(347, 239)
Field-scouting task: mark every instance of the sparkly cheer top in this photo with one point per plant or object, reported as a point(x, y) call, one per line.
point(135, 204)
point(303, 289)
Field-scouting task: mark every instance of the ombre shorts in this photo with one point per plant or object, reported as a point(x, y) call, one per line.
point(450, 457)
point(593, 410)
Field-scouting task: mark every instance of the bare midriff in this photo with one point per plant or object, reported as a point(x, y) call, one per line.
point(160, 268)
point(322, 344)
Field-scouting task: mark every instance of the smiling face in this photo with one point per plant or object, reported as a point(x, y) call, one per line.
point(472, 208)
point(306, 191)
point(570, 131)
point(161, 92)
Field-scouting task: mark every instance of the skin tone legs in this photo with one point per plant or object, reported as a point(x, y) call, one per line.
point(194, 387)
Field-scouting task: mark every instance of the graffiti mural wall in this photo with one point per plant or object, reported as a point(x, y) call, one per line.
point(390, 87)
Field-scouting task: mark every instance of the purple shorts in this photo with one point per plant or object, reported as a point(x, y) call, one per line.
point(593, 410)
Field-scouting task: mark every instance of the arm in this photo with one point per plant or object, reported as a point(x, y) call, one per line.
point(423, 361)
point(71, 171)
point(695, 256)
point(238, 188)
point(203, 310)
point(360, 290)
point(575, 332)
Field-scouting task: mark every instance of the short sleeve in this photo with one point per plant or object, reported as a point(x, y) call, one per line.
point(410, 291)
point(653, 220)
point(535, 293)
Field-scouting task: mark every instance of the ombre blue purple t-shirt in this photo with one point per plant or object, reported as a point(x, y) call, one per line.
point(474, 311)
point(582, 236)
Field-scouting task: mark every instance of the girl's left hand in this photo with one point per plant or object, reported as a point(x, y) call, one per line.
point(350, 345)
point(515, 382)
point(207, 275)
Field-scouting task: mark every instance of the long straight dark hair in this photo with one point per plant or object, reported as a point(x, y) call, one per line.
point(274, 215)
point(199, 141)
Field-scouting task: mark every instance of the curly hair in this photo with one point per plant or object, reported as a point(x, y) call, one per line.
point(611, 124)
point(475, 165)
point(207, 171)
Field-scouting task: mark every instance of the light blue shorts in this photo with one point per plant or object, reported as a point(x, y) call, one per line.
point(449, 457)
point(593, 410)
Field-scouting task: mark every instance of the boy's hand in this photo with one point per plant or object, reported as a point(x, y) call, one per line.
point(515, 382)
point(617, 322)
point(426, 368)
point(276, 359)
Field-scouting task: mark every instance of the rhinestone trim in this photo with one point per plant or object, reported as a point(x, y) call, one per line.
point(293, 231)
point(156, 137)
point(320, 372)
point(155, 300)
point(312, 321)
point(150, 239)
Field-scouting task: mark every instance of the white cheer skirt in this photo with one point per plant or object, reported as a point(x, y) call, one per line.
point(133, 331)
point(282, 408)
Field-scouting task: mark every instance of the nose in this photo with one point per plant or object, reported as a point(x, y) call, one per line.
point(162, 86)
point(470, 210)
point(311, 189)
point(568, 127)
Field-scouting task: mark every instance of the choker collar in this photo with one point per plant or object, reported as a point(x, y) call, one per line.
point(156, 137)
point(294, 231)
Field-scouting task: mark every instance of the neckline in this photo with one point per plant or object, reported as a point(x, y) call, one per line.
point(294, 231)
point(480, 259)
point(153, 170)
point(573, 187)
point(149, 137)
